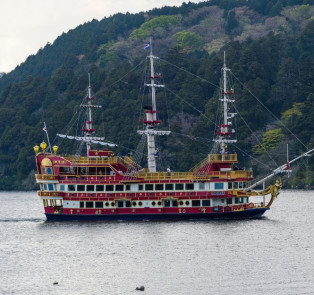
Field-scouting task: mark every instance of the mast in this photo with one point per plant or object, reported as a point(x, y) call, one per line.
point(225, 133)
point(283, 168)
point(88, 129)
point(150, 120)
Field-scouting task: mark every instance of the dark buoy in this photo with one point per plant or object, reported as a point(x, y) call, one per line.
point(142, 288)
point(55, 283)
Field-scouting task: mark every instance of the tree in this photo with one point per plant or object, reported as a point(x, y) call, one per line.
point(231, 22)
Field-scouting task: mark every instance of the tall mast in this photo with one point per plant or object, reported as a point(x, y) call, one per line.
point(150, 120)
point(225, 133)
point(88, 128)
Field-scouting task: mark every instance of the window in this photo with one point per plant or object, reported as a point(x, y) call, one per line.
point(82, 170)
point(71, 187)
point(127, 187)
point(140, 187)
point(92, 171)
point(206, 203)
point(61, 187)
point(99, 188)
point(109, 188)
point(238, 200)
point(235, 185)
point(229, 185)
point(63, 170)
point(80, 187)
point(229, 201)
point(189, 186)
point(174, 203)
point(222, 201)
point(81, 204)
point(179, 186)
point(99, 204)
point(149, 187)
point(120, 204)
point(245, 200)
point(127, 204)
point(159, 187)
point(101, 171)
point(89, 204)
point(201, 185)
point(49, 170)
point(90, 188)
point(167, 203)
point(119, 187)
point(169, 186)
point(240, 184)
point(219, 185)
point(196, 203)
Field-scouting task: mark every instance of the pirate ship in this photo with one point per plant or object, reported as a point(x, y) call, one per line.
point(105, 186)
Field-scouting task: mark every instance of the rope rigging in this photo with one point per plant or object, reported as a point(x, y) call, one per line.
point(247, 125)
point(274, 116)
point(138, 153)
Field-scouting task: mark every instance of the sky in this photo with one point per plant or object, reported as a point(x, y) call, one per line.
point(28, 25)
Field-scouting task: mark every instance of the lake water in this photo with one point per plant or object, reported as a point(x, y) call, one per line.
point(273, 255)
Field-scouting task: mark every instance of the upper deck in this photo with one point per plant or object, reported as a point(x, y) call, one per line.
point(123, 169)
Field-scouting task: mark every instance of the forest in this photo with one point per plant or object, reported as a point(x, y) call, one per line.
point(269, 48)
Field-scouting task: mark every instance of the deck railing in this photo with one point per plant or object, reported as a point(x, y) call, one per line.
point(190, 175)
point(46, 177)
point(223, 158)
point(164, 175)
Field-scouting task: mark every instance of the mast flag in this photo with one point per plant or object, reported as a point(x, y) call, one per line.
point(147, 46)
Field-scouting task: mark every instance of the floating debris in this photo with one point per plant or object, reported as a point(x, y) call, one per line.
point(142, 288)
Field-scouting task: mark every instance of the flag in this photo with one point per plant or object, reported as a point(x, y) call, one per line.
point(147, 45)
point(45, 128)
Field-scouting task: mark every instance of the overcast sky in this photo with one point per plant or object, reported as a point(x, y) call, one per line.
point(27, 25)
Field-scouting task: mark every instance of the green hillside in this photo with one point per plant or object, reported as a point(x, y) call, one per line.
point(269, 47)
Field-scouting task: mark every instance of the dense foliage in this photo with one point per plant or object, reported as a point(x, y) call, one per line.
point(269, 47)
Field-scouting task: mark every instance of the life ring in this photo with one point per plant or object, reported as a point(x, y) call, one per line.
point(251, 206)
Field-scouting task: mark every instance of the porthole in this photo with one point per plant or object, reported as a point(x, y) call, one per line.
point(112, 204)
point(140, 203)
point(181, 203)
point(187, 203)
point(134, 204)
point(159, 203)
point(153, 203)
point(107, 204)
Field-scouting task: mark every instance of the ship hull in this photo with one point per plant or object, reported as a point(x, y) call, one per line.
point(245, 214)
